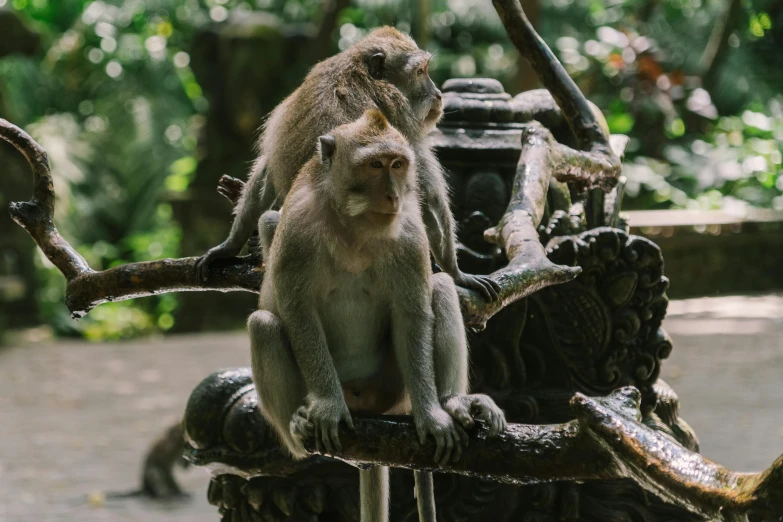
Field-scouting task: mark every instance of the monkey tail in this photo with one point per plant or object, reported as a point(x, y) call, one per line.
point(116, 495)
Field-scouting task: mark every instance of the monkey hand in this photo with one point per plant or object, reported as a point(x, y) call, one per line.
point(482, 284)
point(466, 408)
point(222, 251)
point(449, 436)
point(324, 415)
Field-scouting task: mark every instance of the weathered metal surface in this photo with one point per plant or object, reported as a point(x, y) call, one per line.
point(606, 441)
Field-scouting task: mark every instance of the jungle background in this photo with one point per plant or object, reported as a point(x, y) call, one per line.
point(144, 104)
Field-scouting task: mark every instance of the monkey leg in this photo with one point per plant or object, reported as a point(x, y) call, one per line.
point(451, 362)
point(279, 384)
point(425, 495)
point(374, 494)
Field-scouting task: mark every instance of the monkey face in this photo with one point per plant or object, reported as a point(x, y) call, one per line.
point(369, 169)
point(408, 71)
point(413, 80)
point(380, 182)
point(376, 180)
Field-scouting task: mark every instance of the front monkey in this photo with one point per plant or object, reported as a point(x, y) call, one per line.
point(351, 317)
point(386, 70)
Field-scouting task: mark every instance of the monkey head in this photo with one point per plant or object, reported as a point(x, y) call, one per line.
point(368, 171)
point(393, 57)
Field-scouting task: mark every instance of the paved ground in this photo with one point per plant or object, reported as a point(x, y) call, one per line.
point(75, 418)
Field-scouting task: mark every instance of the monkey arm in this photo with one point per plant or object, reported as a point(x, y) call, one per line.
point(439, 223)
point(256, 197)
point(296, 269)
point(412, 339)
point(440, 230)
point(248, 211)
point(308, 342)
point(303, 326)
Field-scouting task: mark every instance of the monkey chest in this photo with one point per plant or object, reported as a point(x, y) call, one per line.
point(356, 323)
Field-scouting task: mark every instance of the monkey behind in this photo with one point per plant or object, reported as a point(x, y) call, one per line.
point(338, 91)
point(385, 71)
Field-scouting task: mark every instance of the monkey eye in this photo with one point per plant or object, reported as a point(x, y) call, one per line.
point(420, 72)
point(397, 164)
point(376, 164)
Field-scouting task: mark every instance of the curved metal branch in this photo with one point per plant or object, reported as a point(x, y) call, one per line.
point(87, 288)
point(541, 159)
point(607, 441)
point(576, 110)
point(37, 215)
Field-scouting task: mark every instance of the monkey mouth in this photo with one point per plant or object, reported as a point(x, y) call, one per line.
point(434, 114)
point(383, 218)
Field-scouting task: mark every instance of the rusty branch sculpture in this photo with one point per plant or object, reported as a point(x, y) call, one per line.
point(541, 159)
point(87, 288)
point(606, 441)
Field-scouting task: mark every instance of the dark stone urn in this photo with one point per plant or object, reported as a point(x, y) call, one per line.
point(593, 335)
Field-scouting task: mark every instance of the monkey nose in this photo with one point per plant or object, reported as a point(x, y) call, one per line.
point(394, 201)
point(438, 94)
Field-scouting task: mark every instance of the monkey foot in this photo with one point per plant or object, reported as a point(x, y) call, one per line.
point(467, 408)
point(300, 426)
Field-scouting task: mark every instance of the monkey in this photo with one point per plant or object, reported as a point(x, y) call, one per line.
point(387, 71)
point(157, 480)
point(351, 317)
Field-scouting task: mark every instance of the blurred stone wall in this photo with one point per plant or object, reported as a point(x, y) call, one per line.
point(709, 254)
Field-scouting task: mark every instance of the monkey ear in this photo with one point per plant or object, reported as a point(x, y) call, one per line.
point(377, 119)
point(375, 65)
point(326, 147)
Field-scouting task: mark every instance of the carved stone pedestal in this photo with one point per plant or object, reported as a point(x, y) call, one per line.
point(593, 335)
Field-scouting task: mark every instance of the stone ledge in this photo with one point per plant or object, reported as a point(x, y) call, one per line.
point(712, 253)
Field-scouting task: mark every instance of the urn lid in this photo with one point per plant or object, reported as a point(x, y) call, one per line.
point(479, 102)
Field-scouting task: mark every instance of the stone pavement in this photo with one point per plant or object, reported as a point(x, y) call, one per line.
point(76, 418)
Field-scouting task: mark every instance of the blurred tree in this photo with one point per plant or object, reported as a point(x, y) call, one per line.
point(675, 75)
point(115, 107)
point(17, 274)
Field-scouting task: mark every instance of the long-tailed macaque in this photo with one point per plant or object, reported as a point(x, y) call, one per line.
point(157, 478)
point(351, 318)
point(385, 71)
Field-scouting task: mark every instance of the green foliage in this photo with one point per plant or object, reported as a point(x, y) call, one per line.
point(738, 162)
point(116, 106)
point(700, 138)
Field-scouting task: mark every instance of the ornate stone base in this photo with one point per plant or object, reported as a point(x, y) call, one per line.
point(593, 335)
